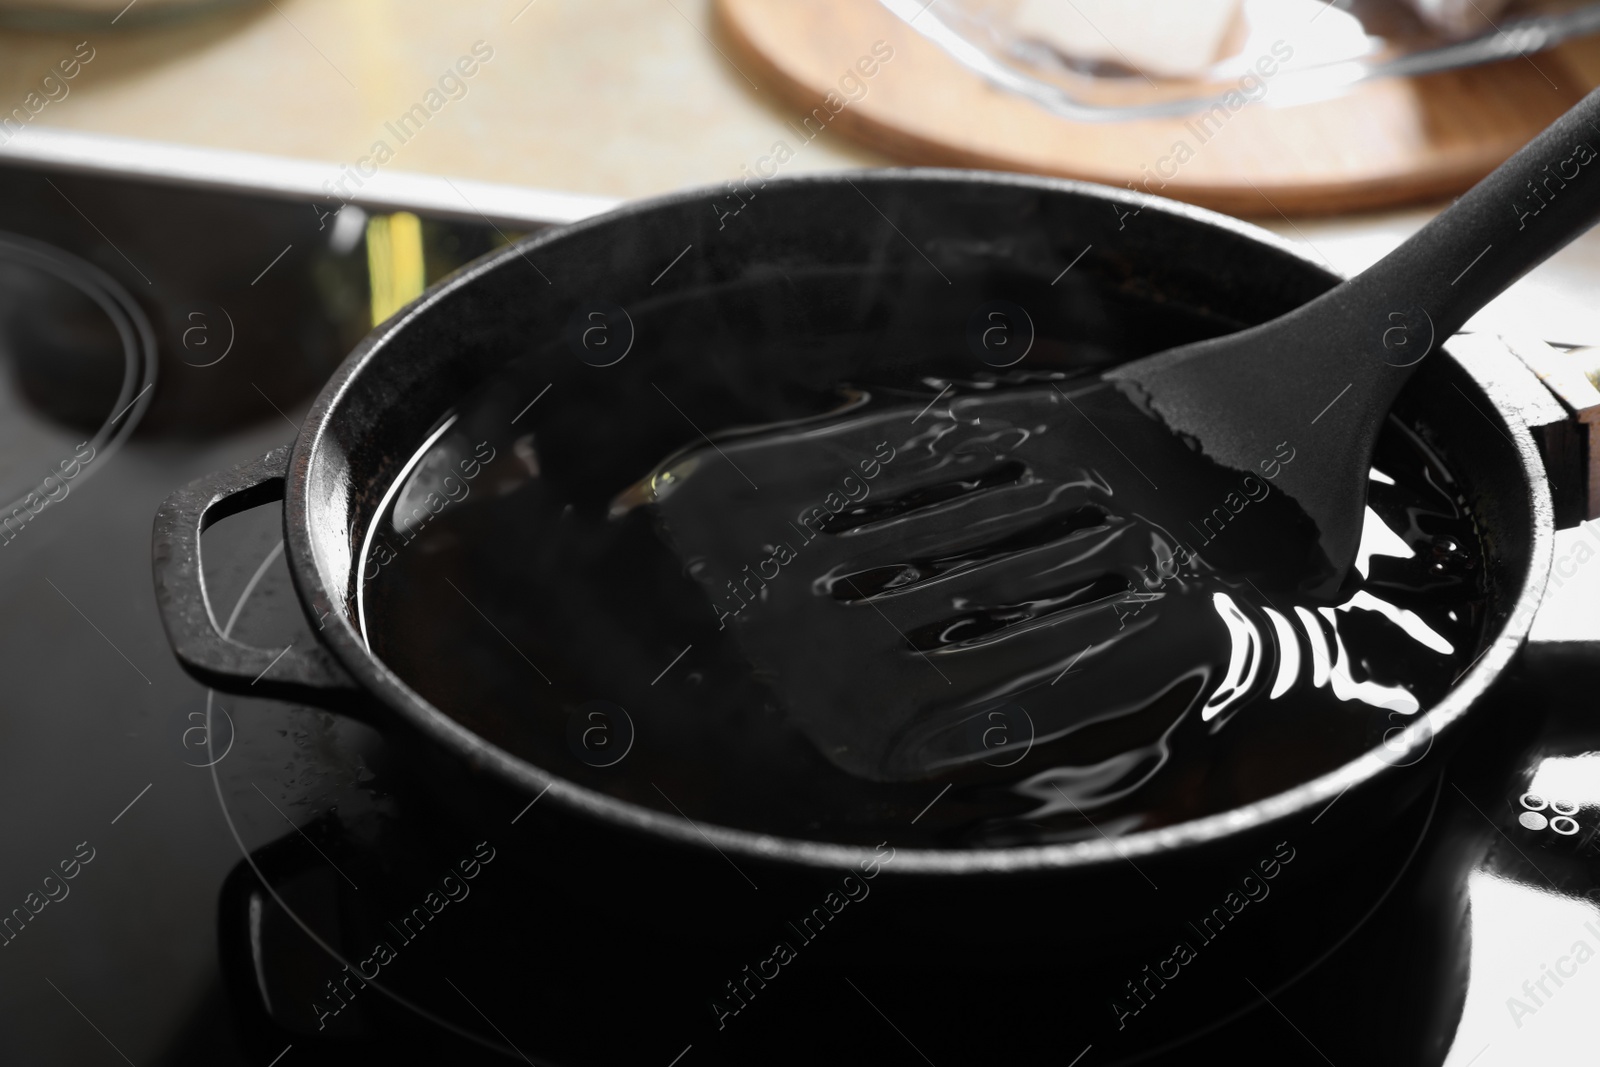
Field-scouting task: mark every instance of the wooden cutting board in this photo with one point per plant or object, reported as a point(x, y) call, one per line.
point(1384, 143)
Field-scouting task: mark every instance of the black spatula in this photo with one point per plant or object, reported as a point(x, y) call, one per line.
point(908, 576)
point(1326, 373)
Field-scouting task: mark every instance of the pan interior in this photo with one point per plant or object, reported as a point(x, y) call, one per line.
point(518, 569)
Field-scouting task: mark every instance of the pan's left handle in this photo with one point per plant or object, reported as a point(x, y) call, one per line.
point(304, 673)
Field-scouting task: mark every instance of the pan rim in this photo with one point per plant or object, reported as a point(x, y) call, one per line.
point(435, 725)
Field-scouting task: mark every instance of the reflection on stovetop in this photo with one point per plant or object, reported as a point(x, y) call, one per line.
point(148, 335)
point(200, 879)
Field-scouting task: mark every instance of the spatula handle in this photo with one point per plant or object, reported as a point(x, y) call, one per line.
point(1527, 209)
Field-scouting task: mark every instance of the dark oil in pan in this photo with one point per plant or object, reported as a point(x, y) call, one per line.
point(800, 579)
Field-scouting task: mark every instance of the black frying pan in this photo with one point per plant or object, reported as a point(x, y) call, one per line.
point(1157, 274)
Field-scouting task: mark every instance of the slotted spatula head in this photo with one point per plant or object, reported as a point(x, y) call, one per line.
point(904, 573)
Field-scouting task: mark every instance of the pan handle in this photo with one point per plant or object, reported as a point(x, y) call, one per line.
point(304, 673)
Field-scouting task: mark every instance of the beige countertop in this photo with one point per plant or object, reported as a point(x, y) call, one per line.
point(613, 97)
point(619, 98)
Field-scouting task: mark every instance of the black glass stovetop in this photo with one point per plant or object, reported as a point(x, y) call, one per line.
point(190, 878)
